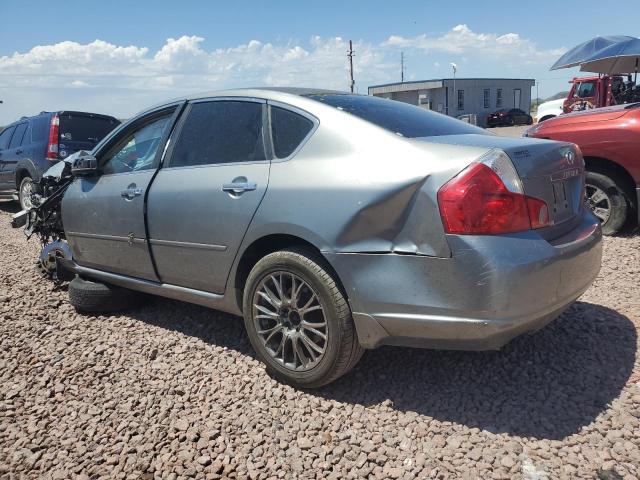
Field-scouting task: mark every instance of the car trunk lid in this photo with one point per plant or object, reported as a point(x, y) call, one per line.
point(82, 131)
point(551, 171)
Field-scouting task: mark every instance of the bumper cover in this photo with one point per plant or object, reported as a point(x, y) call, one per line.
point(493, 289)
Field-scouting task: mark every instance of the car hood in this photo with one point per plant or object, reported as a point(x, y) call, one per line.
point(598, 115)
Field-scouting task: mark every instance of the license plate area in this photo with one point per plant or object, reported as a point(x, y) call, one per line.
point(562, 208)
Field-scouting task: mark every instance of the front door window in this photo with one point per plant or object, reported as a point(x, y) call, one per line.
point(137, 151)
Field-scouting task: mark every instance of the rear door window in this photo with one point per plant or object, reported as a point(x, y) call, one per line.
point(288, 130)
point(398, 117)
point(16, 140)
point(220, 132)
point(5, 137)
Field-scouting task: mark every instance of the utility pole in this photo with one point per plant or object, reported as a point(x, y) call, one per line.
point(455, 94)
point(351, 54)
point(537, 95)
point(402, 67)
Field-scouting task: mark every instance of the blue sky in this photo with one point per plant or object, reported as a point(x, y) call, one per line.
point(119, 56)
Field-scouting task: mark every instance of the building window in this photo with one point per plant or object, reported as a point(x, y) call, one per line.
point(499, 98)
point(487, 97)
point(460, 99)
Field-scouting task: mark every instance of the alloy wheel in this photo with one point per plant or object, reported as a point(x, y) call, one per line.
point(599, 202)
point(26, 188)
point(290, 321)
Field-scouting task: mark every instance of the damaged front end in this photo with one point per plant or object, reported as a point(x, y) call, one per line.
point(44, 218)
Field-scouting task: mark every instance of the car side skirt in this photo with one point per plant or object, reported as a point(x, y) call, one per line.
point(175, 292)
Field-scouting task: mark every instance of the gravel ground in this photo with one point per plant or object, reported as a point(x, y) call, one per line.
point(172, 390)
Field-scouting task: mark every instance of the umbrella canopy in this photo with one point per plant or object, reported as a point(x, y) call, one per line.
point(621, 57)
point(579, 54)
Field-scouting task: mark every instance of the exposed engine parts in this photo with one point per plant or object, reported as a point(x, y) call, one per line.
point(44, 219)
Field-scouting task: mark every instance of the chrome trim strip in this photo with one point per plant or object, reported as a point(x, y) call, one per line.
point(113, 238)
point(200, 246)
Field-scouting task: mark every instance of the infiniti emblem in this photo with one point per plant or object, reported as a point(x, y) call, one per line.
point(569, 157)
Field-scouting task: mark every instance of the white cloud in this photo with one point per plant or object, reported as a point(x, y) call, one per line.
point(461, 39)
point(79, 84)
point(124, 79)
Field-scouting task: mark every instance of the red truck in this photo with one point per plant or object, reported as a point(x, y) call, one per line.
point(610, 141)
point(600, 91)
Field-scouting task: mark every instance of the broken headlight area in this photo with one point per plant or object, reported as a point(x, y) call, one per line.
point(44, 218)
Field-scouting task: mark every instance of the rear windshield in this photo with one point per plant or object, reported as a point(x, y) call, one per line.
point(398, 117)
point(80, 128)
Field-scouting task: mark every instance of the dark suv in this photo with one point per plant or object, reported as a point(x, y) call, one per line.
point(31, 145)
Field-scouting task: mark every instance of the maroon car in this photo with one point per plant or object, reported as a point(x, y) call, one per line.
point(610, 142)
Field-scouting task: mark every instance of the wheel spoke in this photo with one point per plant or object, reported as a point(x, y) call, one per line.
point(311, 343)
point(278, 285)
point(305, 323)
point(266, 311)
point(280, 347)
point(312, 352)
point(273, 331)
point(295, 292)
point(316, 332)
point(598, 196)
point(296, 353)
point(304, 311)
point(601, 213)
point(270, 297)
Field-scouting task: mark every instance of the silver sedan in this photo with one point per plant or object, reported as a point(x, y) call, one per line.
point(332, 223)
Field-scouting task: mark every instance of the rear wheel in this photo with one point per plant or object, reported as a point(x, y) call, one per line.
point(24, 193)
point(607, 201)
point(298, 320)
point(89, 296)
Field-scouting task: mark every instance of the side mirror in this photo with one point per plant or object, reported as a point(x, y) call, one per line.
point(84, 165)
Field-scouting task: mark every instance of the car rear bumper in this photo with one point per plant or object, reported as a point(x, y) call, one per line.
point(491, 290)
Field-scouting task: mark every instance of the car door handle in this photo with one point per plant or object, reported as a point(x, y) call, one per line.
point(19, 151)
point(239, 187)
point(130, 193)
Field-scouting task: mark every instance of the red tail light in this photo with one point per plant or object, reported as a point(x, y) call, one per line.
point(477, 201)
point(54, 130)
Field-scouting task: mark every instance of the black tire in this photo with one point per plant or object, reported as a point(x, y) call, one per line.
point(619, 206)
point(511, 122)
point(26, 182)
point(342, 349)
point(96, 297)
point(530, 121)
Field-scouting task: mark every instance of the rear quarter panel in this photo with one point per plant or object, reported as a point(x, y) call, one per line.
point(355, 187)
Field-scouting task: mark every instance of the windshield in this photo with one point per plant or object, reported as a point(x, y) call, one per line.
point(398, 117)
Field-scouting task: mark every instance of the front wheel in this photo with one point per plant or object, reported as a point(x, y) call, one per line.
point(24, 193)
point(607, 201)
point(298, 320)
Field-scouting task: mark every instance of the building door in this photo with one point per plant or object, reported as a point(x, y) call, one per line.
point(517, 93)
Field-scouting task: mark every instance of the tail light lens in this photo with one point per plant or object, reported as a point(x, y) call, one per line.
point(487, 198)
point(54, 131)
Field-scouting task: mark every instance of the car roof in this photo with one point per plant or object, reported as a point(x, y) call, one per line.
point(59, 112)
point(283, 94)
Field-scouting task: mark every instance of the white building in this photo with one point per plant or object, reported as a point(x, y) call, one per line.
point(479, 96)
